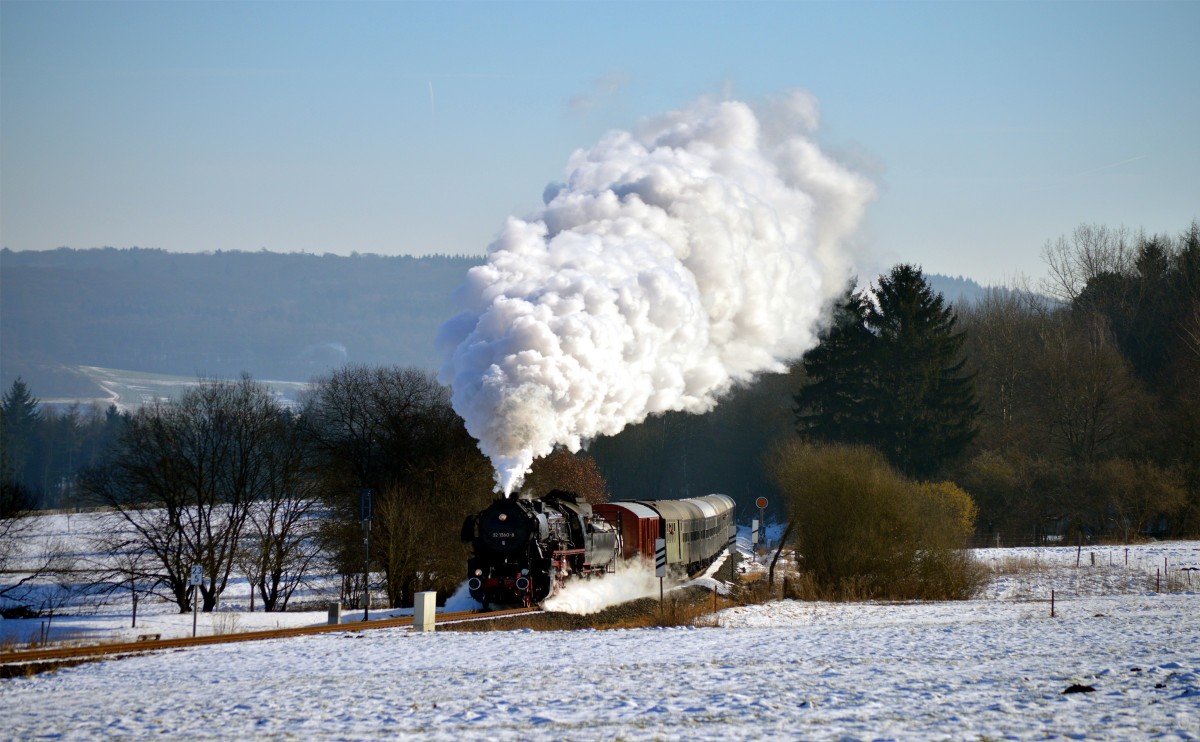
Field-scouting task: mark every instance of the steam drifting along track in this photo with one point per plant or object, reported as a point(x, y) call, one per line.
point(31, 658)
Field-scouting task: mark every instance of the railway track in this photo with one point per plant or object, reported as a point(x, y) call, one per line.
point(10, 662)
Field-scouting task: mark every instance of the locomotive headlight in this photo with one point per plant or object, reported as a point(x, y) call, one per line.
point(479, 573)
point(503, 516)
point(525, 571)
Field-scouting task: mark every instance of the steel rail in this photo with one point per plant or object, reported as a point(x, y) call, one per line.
point(102, 650)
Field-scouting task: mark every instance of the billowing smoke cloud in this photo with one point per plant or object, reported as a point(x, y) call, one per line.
point(673, 263)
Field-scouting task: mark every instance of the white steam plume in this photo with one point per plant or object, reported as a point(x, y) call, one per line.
point(631, 580)
point(674, 262)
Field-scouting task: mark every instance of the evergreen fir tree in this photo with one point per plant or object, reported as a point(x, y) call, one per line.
point(890, 375)
point(19, 417)
point(835, 404)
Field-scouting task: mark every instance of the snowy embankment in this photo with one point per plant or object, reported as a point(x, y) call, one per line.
point(994, 667)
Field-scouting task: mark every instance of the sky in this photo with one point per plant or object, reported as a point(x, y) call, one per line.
point(989, 129)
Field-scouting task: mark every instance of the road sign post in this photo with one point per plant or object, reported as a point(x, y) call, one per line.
point(761, 502)
point(196, 580)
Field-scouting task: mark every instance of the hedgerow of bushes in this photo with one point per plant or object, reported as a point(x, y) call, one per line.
point(863, 531)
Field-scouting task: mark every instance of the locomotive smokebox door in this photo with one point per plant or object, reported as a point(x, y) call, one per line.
point(504, 527)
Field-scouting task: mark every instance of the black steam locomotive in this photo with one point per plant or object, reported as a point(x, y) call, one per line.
point(522, 548)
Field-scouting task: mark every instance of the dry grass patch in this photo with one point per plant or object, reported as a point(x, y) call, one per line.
point(29, 669)
point(687, 607)
point(1017, 565)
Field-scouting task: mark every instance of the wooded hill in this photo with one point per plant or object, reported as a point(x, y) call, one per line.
point(277, 316)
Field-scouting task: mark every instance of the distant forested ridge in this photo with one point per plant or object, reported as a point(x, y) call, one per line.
point(960, 291)
point(274, 315)
point(282, 316)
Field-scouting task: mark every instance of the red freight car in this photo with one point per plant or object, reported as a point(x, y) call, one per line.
point(637, 524)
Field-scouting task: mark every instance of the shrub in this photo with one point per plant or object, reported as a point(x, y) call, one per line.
point(863, 531)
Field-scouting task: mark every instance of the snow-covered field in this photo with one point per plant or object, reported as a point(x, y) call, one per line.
point(991, 668)
point(83, 613)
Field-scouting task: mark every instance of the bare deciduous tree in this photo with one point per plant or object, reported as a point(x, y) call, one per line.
point(563, 470)
point(1092, 250)
point(34, 560)
point(362, 421)
point(1087, 398)
point(392, 431)
point(184, 478)
point(14, 522)
point(1002, 344)
point(280, 544)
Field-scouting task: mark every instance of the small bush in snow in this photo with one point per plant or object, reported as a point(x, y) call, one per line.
point(864, 531)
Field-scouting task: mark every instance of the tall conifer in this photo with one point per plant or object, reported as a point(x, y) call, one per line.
point(19, 416)
point(890, 375)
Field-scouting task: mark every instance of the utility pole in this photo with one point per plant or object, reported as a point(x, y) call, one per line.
point(365, 506)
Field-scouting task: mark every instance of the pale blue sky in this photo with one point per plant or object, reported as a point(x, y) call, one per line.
point(390, 127)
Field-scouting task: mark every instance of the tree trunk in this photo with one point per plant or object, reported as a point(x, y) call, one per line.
point(782, 540)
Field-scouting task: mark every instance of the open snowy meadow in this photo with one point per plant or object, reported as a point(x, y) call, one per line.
point(1118, 660)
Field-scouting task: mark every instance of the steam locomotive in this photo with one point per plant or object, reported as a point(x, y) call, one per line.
point(523, 549)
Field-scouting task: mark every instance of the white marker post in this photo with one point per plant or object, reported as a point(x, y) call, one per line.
point(195, 582)
point(424, 611)
point(660, 564)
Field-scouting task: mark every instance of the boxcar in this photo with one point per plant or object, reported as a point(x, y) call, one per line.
point(637, 524)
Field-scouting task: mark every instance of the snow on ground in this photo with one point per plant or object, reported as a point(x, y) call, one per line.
point(994, 667)
point(970, 670)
